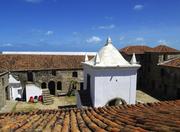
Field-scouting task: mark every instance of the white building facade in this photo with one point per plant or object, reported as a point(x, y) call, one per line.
point(108, 76)
point(32, 90)
point(15, 88)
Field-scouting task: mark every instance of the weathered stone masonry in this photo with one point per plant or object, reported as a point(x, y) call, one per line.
point(59, 81)
point(3, 88)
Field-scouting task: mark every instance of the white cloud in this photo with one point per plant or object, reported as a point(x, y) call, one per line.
point(107, 26)
point(49, 33)
point(162, 41)
point(139, 39)
point(94, 39)
point(121, 38)
point(6, 45)
point(138, 7)
point(34, 1)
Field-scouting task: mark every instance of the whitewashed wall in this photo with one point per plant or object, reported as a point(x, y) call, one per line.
point(14, 93)
point(110, 83)
point(32, 90)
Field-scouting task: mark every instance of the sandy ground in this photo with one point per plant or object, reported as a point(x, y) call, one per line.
point(58, 101)
point(144, 98)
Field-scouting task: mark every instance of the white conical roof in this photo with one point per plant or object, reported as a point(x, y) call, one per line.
point(86, 57)
point(108, 56)
point(133, 59)
point(12, 79)
point(97, 59)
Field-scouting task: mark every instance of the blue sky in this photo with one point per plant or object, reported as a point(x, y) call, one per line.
point(84, 25)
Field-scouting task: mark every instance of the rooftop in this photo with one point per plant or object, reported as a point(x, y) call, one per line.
point(172, 63)
point(164, 49)
point(47, 53)
point(137, 49)
point(159, 116)
point(141, 49)
point(19, 62)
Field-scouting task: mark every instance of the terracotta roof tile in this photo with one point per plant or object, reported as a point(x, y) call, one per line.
point(40, 62)
point(164, 48)
point(161, 116)
point(172, 63)
point(137, 49)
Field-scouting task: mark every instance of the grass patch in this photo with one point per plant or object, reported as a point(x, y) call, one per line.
point(24, 106)
point(70, 99)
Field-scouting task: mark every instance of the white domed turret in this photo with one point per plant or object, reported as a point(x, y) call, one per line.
point(109, 76)
point(108, 56)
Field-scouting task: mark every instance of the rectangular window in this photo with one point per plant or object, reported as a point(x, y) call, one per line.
point(20, 91)
point(53, 72)
point(74, 74)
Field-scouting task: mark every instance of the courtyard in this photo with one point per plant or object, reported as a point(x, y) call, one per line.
point(14, 106)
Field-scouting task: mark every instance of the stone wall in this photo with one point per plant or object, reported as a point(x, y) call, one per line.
point(159, 81)
point(44, 78)
point(150, 78)
point(4, 90)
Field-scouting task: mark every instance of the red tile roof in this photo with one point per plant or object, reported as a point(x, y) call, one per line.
point(160, 116)
point(40, 62)
point(164, 49)
point(172, 63)
point(137, 49)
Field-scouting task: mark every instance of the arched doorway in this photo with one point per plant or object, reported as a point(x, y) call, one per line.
point(43, 85)
point(51, 86)
point(116, 102)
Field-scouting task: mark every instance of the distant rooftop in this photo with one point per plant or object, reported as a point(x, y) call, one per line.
point(141, 49)
point(23, 62)
point(164, 48)
point(48, 53)
point(172, 63)
point(137, 49)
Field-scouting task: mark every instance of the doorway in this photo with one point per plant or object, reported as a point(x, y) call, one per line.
point(30, 76)
point(51, 86)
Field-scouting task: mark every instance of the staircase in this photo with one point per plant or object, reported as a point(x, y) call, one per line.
point(47, 98)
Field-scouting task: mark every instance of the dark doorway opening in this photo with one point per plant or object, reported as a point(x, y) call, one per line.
point(7, 93)
point(81, 85)
point(178, 93)
point(51, 86)
point(116, 102)
point(88, 82)
point(43, 85)
point(30, 76)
